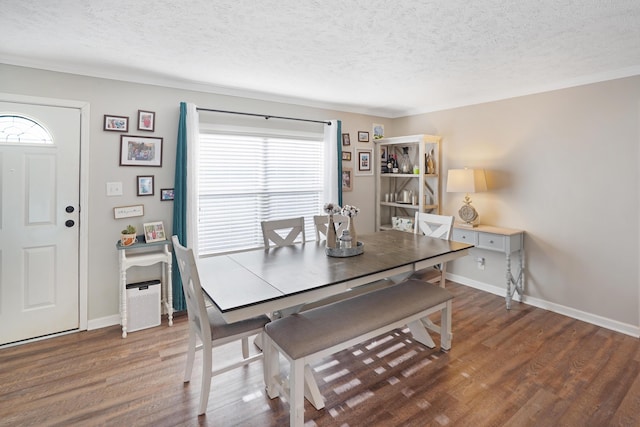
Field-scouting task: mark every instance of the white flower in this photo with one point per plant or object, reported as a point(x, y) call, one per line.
point(331, 208)
point(350, 211)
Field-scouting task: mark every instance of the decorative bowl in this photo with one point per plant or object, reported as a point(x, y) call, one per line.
point(345, 252)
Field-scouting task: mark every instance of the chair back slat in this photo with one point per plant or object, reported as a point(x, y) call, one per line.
point(194, 297)
point(283, 232)
point(439, 226)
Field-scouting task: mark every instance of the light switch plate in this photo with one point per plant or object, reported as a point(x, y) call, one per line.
point(114, 189)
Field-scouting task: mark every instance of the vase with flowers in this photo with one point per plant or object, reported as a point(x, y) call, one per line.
point(351, 212)
point(331, 209)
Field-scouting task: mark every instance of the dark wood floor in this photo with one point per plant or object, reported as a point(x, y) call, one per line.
point(524, 367)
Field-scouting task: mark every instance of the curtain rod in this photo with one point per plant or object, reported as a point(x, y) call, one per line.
point(267, 117)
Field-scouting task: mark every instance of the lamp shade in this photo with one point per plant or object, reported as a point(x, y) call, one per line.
point(466, 181)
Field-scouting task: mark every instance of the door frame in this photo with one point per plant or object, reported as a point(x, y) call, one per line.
point(83, 247)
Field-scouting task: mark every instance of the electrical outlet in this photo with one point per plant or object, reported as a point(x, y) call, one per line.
point(114, 189)
point(480, 262)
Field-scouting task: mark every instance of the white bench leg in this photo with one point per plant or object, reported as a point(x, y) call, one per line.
point(420, 333)
point(311, 390)
point(430, 325)
point(296, 393)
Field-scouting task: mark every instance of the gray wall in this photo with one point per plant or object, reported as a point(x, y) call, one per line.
point(561, 165)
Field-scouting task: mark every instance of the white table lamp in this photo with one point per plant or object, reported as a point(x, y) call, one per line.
point(467, 181)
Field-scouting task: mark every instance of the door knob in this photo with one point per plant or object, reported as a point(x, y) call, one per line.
point(69, 209)
point(69, 223)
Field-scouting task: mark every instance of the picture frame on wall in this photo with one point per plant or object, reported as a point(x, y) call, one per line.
point(116, 123)
point(128, 211)
point(346, 156)
point(346, 139)
point(154, 232)
point(140, 151)
point(166, 194)
point(363, 136)
point(347, 179)
point(365, 160)
point(146, 120)
point(378, 131)
point(145, 185)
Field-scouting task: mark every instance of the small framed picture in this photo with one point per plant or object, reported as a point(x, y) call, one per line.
point(346, 139)
point(146, 120)
point(116, 123)
point(145, 185)
point(154, 232)
point(364, 162)
point(140, 151)
point(347, 179)
point(128, 211)
point(378, 131)
point(166, 194)
point(363, 136)
point(346, 156)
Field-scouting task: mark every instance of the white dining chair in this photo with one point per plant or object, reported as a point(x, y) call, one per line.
point(439, 226)
point(283, 232)
point(322, 221)
point(207, 325)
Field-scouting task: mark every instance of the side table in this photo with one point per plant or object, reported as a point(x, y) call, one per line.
point(143, 254)
point(505, 240)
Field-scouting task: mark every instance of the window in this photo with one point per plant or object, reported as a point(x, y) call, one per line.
point(245, 178)
point(22, 130)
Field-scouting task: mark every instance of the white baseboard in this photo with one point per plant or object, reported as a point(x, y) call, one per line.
point(103, 322)
point(594, 319)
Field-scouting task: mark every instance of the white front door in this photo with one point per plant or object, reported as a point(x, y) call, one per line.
point(39, 230)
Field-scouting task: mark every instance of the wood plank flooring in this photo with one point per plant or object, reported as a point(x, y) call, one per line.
point(524, 367)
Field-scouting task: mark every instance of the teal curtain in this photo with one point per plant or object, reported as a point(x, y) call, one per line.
point(339, 142)
point(180, 206)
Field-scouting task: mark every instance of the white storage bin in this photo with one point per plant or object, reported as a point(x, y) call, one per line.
point(143, 303)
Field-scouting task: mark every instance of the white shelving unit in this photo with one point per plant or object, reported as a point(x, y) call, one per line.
point(142, 254)
point(426, 187)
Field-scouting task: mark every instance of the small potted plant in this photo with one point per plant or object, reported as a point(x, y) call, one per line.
point(128, 236)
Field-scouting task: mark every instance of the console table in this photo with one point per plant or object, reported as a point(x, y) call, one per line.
point(505, 240)
point(142, 254)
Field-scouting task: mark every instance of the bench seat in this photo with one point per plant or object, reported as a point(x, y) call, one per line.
point(310, 335)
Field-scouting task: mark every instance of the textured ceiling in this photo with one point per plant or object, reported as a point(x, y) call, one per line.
point(388, 58)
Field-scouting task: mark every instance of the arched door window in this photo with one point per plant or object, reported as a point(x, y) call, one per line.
point(22, 130)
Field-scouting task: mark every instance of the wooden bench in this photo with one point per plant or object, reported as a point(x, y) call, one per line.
point(305, 337)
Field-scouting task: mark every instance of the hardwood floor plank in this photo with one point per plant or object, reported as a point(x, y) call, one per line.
point(628, 413)
point(599, 399)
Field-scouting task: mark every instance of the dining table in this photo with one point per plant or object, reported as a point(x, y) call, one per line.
point(280, 279)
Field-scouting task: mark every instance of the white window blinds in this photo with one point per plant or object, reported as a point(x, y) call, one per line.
point(247, 178)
